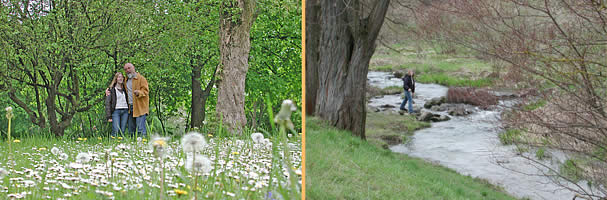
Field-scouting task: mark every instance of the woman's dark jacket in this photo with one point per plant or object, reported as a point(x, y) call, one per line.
point(409, 83)
point(110, 102)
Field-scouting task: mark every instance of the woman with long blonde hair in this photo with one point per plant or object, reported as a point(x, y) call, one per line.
point(116, 106)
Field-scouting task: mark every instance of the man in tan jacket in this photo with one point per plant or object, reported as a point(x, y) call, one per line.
point(139, 101)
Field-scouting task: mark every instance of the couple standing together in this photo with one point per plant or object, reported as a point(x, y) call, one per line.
point(127, 101)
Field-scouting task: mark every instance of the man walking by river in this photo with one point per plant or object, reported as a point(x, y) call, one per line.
point(409, 87)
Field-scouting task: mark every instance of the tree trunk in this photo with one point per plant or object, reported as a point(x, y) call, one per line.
point(235, 46)
point(197, 103)
point(312, 41)
point(348, 42)
point(199, 96)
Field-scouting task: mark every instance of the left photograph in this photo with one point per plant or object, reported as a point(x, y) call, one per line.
point(151, 99)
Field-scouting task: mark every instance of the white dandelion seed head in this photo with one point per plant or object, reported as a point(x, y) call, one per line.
point(63, 156)
point(288, 104)
point(283, 118)
point(158, 145)
point(55, 151)
point(199, 163)
point(3, 172)
point(83, 157)
point(257, 137)
point(193, 142)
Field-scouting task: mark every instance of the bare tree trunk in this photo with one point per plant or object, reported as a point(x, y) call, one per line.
point(235, 46)
point(197, 103)
point(348, 42)
point(312, 61)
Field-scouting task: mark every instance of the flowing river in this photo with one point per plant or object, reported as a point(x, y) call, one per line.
point(470, 145)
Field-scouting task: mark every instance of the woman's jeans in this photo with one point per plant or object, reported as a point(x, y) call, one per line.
point(407, 98)
point(119, 119)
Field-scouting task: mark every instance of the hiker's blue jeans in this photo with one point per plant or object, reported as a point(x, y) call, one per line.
point(137, 124)
point(407, 98)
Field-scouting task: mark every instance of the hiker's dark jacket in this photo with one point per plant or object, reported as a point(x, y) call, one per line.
point(110, 102)
point(409, 83)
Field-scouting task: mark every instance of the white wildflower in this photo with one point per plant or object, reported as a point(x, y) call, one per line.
point(83, 157)
point(55, 151)
point(121, 147)
point(63, 156)
point(193, 142)
point(9, 112)
point(199, 163)
point(283, 118)
point(76, 166)
point(257, 137)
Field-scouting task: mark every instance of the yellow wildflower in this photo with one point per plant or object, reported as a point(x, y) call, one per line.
point(210, 135)
point(16, 141)
point(144, 140)
point(159, 143)
point(181, 192)
point(112, 137)
point(82, 139)
point(120, 138)
point(235, 153)
point(99, 138)
point(42, 149)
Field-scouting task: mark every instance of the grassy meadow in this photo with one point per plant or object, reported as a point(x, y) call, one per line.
point(46, 167)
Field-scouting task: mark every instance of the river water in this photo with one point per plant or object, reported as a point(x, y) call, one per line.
point(470, 145)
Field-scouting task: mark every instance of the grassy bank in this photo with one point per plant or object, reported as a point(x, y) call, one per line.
point(340, 166)
point(388, 129)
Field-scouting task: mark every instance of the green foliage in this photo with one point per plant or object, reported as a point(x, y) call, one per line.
point(510, 136)
point(447, 80)
point(274, 60)
point(540, 154)
point(535, 105)
point(340, 166)
point(570, 169)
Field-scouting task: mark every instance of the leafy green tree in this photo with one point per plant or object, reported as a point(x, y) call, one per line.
point(54, 55)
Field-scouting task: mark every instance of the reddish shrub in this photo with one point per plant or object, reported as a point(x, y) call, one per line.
point(472, 96)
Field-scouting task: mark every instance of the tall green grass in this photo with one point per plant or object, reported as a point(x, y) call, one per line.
point(340, 166)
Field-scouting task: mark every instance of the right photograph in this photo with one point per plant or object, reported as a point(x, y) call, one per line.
point(455, 99)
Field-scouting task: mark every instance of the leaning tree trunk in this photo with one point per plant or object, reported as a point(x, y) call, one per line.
point(235, 46)
point(348, 42)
